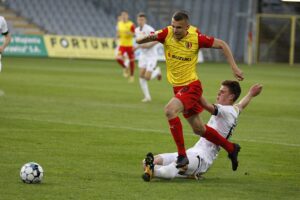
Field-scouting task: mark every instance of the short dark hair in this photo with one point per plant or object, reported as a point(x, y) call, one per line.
point(234, 88)
point(180, 15)
point(141, 14)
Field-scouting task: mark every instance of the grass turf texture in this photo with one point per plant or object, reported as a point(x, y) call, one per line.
point(86, 126)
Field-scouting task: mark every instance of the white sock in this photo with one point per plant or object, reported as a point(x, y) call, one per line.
point(155, 73)
point(168, 172)
point(145, 89)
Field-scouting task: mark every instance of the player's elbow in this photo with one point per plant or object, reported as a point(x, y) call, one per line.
point(224, 45)
point(219, 44)
point(241, 106)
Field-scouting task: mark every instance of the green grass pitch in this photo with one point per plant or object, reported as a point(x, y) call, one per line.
point(86, 126)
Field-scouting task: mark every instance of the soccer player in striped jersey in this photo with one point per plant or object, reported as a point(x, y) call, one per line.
point(125, 33)
point(147, 58)
point(202, 155)
point(7, 37)
point(181, 47)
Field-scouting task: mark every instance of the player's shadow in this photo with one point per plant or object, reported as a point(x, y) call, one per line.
point(178, 180)
point(203, 180)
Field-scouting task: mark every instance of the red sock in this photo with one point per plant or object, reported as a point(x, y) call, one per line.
point(131, 67)
point(121, 62)
point(176, 130)
point(213, 136)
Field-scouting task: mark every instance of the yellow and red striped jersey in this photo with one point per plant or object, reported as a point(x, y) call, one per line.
point(126, 33)
point(182, 55)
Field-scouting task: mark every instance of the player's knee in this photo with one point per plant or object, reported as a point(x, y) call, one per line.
point(170, 112)
point(158, 160)
point(148, 75)
point(147, 78)
point(198, 130)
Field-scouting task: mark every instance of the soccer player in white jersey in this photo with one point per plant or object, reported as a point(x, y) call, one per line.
point(203, 153)
point(148, 57)
point(7, 37)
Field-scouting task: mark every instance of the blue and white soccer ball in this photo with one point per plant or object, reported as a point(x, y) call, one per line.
point(31, 173)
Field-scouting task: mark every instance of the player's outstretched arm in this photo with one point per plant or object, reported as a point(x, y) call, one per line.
point(253, 92)
point(149, 45)
point(220, 44)
point(146, 45)
point(211, 108)
point(149, 38)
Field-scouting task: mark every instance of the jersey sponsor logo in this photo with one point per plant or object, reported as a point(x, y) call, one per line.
point(26, 45)
point(181, 58)
point(188, 45)
point(79, 47)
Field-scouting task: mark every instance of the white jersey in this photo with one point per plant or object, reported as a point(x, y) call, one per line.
point(224, 122)
point(203, 153)
point(3, 26)
point(144, 31)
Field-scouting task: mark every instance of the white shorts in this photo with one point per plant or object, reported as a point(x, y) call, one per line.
point(148, 63)
point(197, 165)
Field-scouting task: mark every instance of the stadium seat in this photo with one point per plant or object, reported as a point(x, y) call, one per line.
point(99, 17)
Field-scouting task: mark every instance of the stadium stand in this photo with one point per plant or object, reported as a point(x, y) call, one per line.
point(278, 7)
point(98, 17)
point(69, 17)
point(18, 24)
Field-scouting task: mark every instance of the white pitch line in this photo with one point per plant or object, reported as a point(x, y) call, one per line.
point(269, 142)
point(144, 130)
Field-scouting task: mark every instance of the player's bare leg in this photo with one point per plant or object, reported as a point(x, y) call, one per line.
point(131, 69)
point(156, 73)
point(121, 60)
point(213, 136)
point(146, 76)
point(158, 160)
point(126, 63)
point(171, 111)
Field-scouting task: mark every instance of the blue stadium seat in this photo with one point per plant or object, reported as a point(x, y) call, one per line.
point(99, 17)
